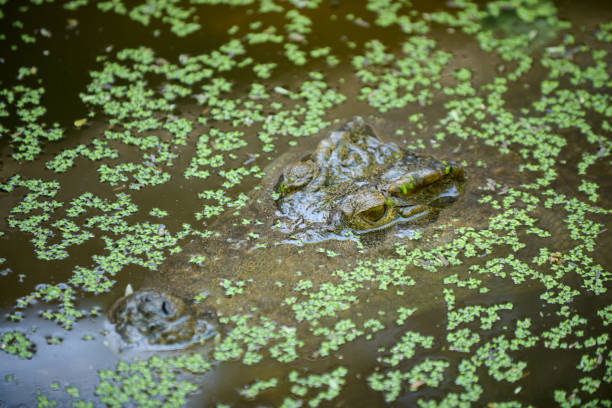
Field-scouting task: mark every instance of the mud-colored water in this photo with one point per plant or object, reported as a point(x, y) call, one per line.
point(307, 289)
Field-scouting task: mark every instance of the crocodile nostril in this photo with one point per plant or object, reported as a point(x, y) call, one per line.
point(165, 308)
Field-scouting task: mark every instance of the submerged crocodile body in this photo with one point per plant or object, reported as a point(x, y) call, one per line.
point(353, 183)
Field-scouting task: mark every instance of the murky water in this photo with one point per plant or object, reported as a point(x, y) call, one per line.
point(358, 282)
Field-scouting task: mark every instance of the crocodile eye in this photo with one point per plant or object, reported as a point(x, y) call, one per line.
point(296, 175)
point(374, 214)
